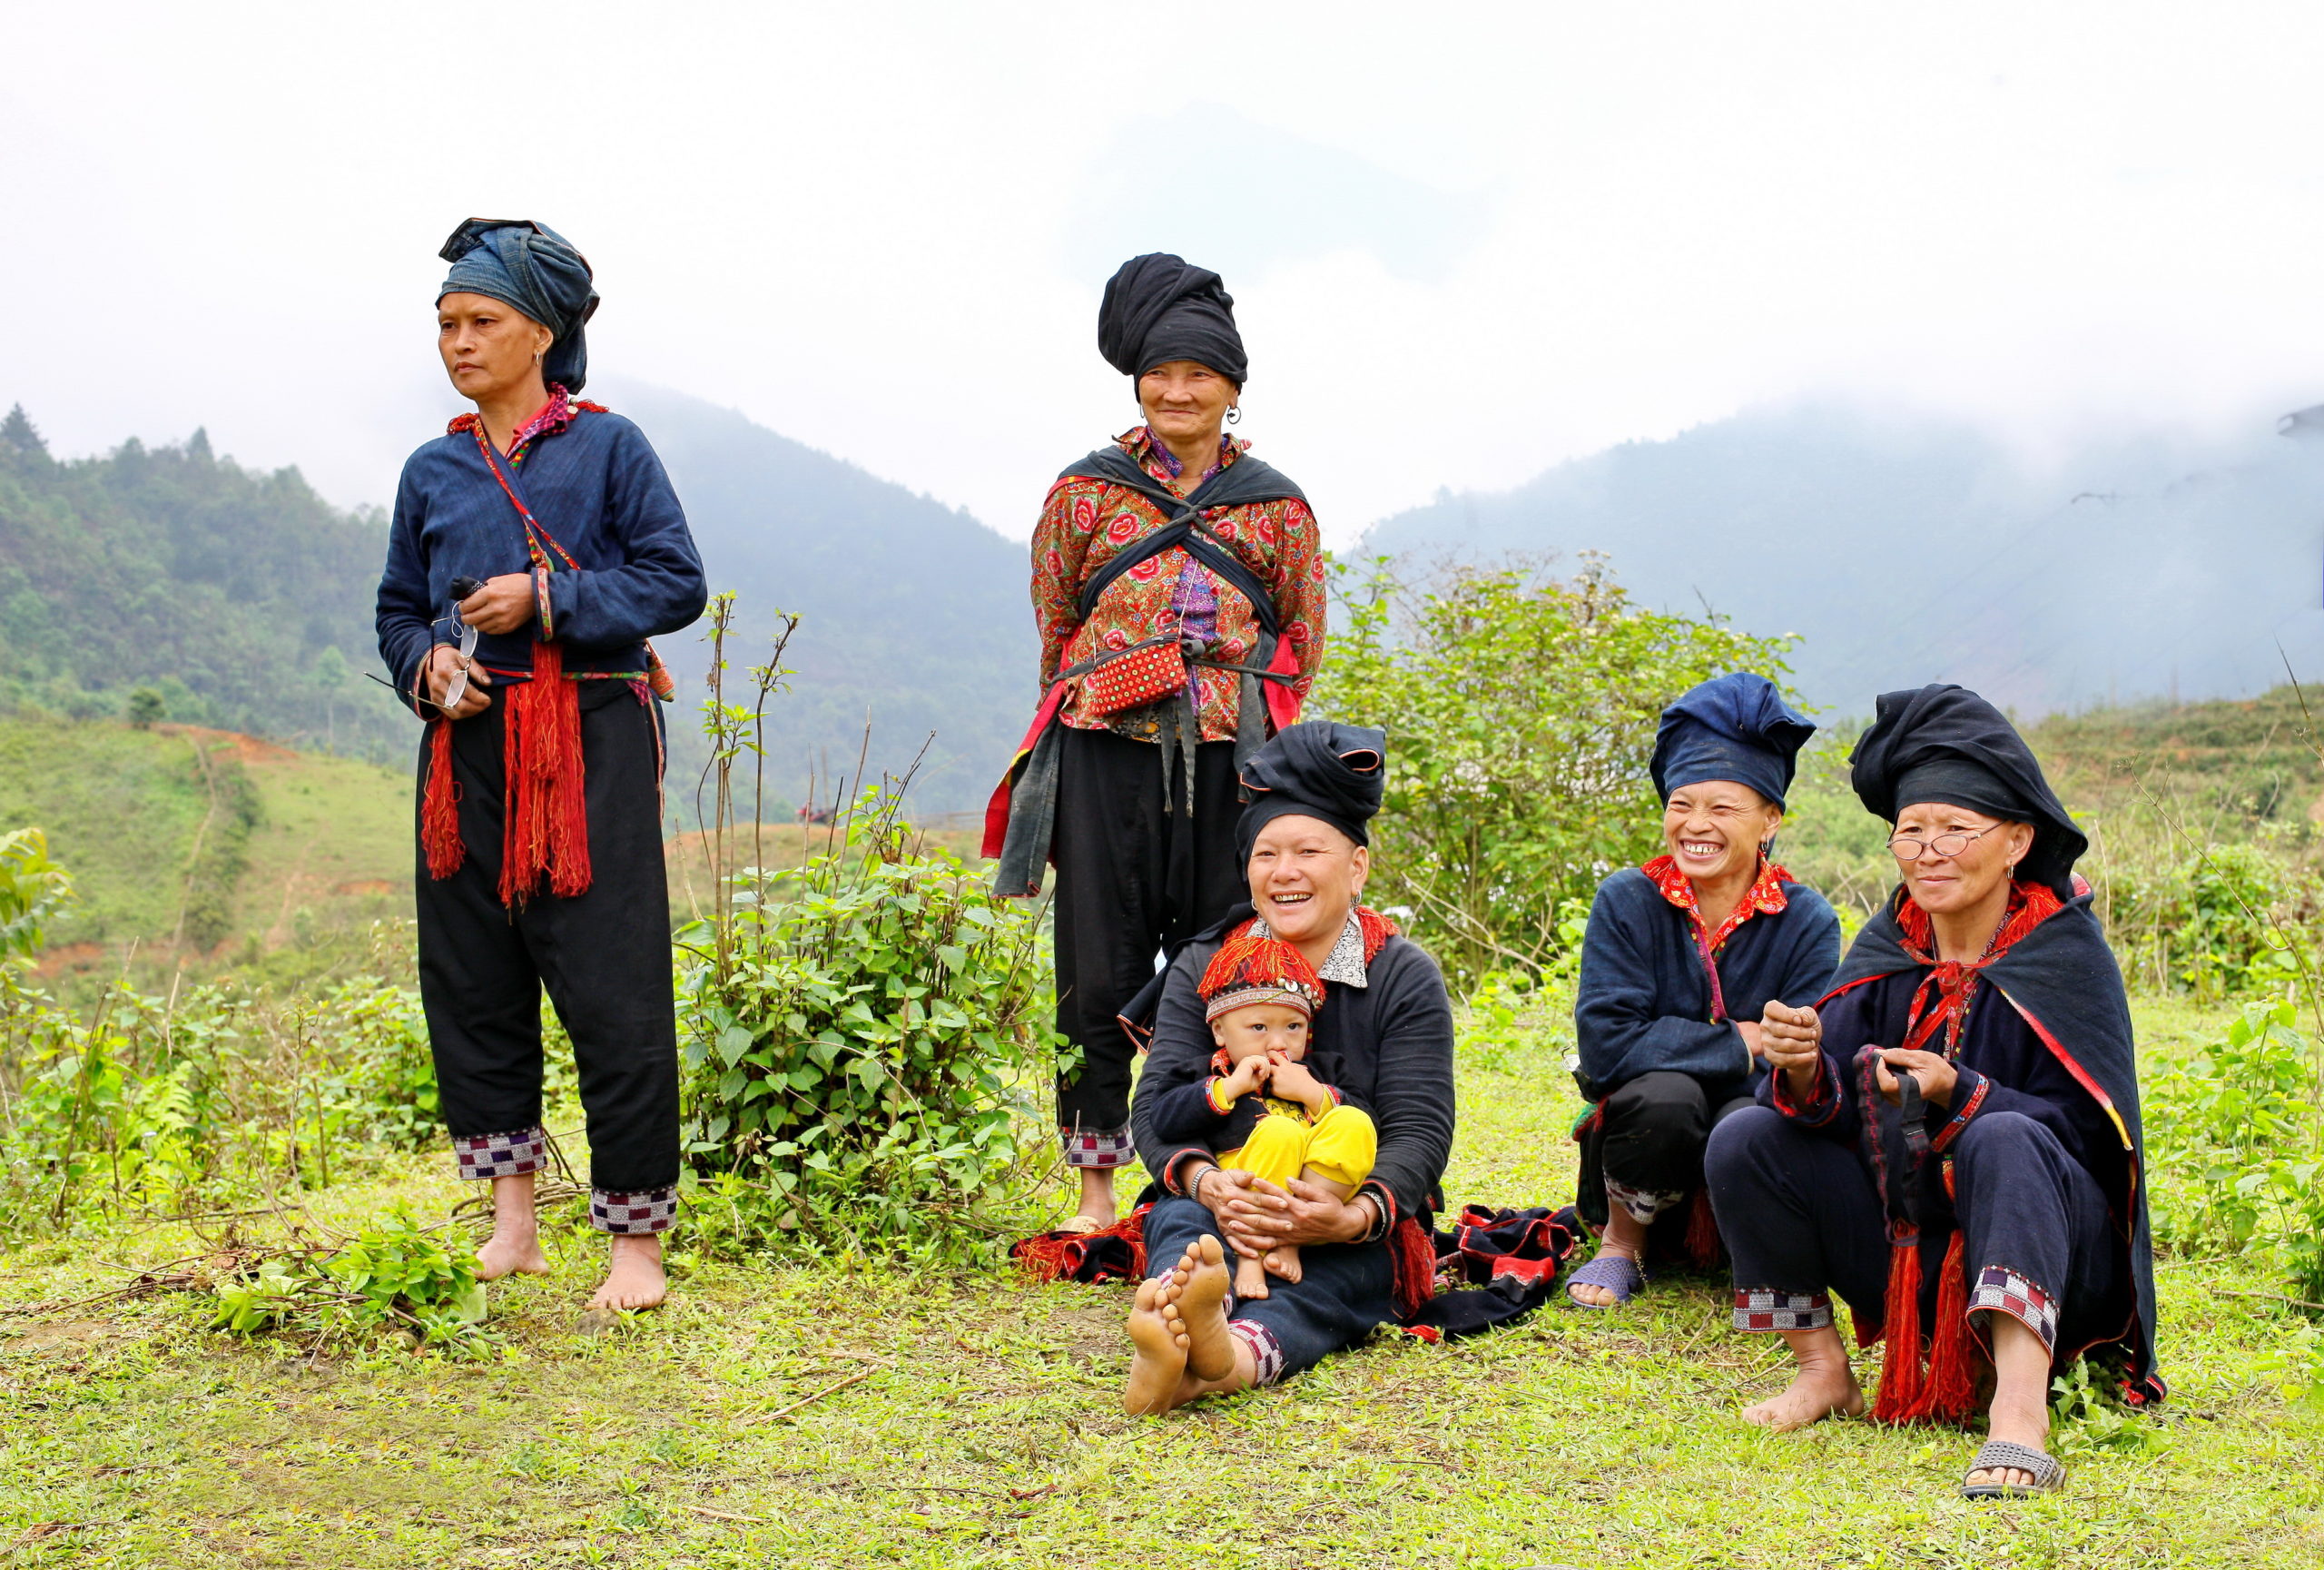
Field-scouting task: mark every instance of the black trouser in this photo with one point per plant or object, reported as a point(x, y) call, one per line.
point(1649, 1140)
point(1802, 1219)
point(604, 955)
point(1344, 1290)
point(1121, 853)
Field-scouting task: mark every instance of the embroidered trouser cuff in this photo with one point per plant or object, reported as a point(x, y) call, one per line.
point(1757, 1309)
point(1106, 1149)
point(2001, 1290)
point(1266, 1352)
point(483, 1157)
point(642, 1210)
point(1643, 1205)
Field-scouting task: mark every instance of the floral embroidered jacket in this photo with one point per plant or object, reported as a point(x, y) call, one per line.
point(1086, 523)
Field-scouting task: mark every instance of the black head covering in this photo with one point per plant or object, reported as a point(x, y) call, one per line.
point(1731, 727)
point(1322, 770)
point(1157, 309)
point(1945, 744)
point(535, 270)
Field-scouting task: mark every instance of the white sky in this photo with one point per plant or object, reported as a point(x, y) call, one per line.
point(1465, 241)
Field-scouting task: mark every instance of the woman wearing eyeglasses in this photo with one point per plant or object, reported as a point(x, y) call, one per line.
point(535, 546)
point(1950, 1139)
point(1681, 959)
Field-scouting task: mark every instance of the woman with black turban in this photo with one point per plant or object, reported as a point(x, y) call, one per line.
point(1179, 586)
point(1950, 1139)
point(535, 546)
point(1681, 959)
point(1382, 1040)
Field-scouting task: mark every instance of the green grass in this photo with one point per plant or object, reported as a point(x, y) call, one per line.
point(984, 1428)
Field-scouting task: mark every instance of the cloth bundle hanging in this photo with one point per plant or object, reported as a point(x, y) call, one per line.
point(1020, 819)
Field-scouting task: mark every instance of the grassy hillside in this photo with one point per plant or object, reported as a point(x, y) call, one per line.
point(201, 848)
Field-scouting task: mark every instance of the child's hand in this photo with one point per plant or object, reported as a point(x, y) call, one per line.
point(1244, 1078)
point(1293, 1083)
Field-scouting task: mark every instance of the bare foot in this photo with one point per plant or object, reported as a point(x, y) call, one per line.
point(1193, 1303)
point(1825, 1387)
point(517, 1254)
point(635, 1279)
point(1157, 1363)
point(1283, 1261)
point(1251, 1275)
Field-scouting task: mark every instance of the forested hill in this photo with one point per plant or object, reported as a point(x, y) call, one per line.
point(242, 598)
point(246, 601)
point(912, 613)
point(1910, 550)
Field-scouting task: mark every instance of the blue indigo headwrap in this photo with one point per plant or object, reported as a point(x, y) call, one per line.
point(1157, 307)
point(1321, 769)
point(535, 268)
point(1732, 727)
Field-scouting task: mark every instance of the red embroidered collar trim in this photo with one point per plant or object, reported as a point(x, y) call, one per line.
point(552, 416)
point(1942, 1000)
point(1765, 897)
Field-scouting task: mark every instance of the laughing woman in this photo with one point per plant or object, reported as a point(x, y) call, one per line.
point(1682, 957)
point(1950, 1139)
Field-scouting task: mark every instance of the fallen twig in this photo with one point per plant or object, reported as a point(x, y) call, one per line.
point(727, 1516)
point(2270, 1296)
point(854, 1378)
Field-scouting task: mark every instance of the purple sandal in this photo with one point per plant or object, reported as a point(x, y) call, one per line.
point(1617, 1273)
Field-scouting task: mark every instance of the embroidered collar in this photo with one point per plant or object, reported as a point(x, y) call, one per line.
point(1140, 442)
point(1360, 942)
point(1765, 897)
point(554, 415)
point(1943, 998)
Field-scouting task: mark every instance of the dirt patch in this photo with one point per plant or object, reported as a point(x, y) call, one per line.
point(243, 748)
point(52, 1334)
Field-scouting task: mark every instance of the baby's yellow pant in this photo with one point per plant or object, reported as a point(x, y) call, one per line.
point(1341, 1146)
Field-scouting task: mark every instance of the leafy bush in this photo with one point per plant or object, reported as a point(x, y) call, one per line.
point(397, 1276)
point(1522, 711)
point(861, 1039)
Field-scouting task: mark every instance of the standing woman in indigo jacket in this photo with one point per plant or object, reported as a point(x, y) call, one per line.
point(535, 546)
point(1681, 958)
point(1179, 585)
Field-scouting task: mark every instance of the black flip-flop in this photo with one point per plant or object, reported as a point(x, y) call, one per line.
point(1999, 1455)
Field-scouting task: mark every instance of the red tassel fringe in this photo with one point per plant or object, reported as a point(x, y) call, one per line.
point(440, 807)
point(1940, 1384)
point(545, 810)
point(1702, 1232)
point(1412, 1253)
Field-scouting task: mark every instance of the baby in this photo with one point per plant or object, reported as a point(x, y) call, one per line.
point(1262, 1111)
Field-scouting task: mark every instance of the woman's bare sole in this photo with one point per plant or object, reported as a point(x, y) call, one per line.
point(510, 1257)
point(1283, 1261)
point(1157, 1363)
point(1813, 1394)
point(1192, 1302)
point(634, 1280)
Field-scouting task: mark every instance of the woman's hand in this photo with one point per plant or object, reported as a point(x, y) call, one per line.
point(435, 677)
point(1937, 1076)
point(503, 604)
point(1751, 1035)
point(1791, 1042)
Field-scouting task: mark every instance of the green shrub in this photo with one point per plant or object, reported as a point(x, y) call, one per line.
point(1521, 711)
point(862, 1039)
point(397, 1276)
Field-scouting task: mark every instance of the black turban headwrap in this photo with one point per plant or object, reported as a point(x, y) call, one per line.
point(1945, 744)
point(1157, 309)
point(1731, 727)
point(535, 268)
point(1321, 769)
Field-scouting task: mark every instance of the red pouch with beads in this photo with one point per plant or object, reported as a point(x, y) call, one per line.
point(1138, 676)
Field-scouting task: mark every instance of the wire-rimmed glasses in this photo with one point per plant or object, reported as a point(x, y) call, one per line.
point(460, 687)
point(1947, 845)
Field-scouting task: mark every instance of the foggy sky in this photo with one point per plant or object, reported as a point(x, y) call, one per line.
point(1465, 242)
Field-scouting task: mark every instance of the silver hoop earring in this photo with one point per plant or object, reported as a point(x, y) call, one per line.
point(1234, 414)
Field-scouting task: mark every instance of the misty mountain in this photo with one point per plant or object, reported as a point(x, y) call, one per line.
point(1906, 551)
point(912, 616)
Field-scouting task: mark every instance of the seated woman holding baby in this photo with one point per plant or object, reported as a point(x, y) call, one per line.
point(1296, 1108)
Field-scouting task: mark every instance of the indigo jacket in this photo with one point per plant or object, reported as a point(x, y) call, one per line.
point(1644, 1001)
point(594, 483)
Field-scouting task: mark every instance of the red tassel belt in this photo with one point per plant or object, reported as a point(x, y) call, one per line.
point(545, 819)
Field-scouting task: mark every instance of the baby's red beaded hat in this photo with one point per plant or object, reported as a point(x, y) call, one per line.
point(1253, 969)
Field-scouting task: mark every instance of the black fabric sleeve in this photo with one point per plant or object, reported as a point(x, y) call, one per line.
point(1178, 1059)
point(1412, 1094)
point(1185, 1113)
